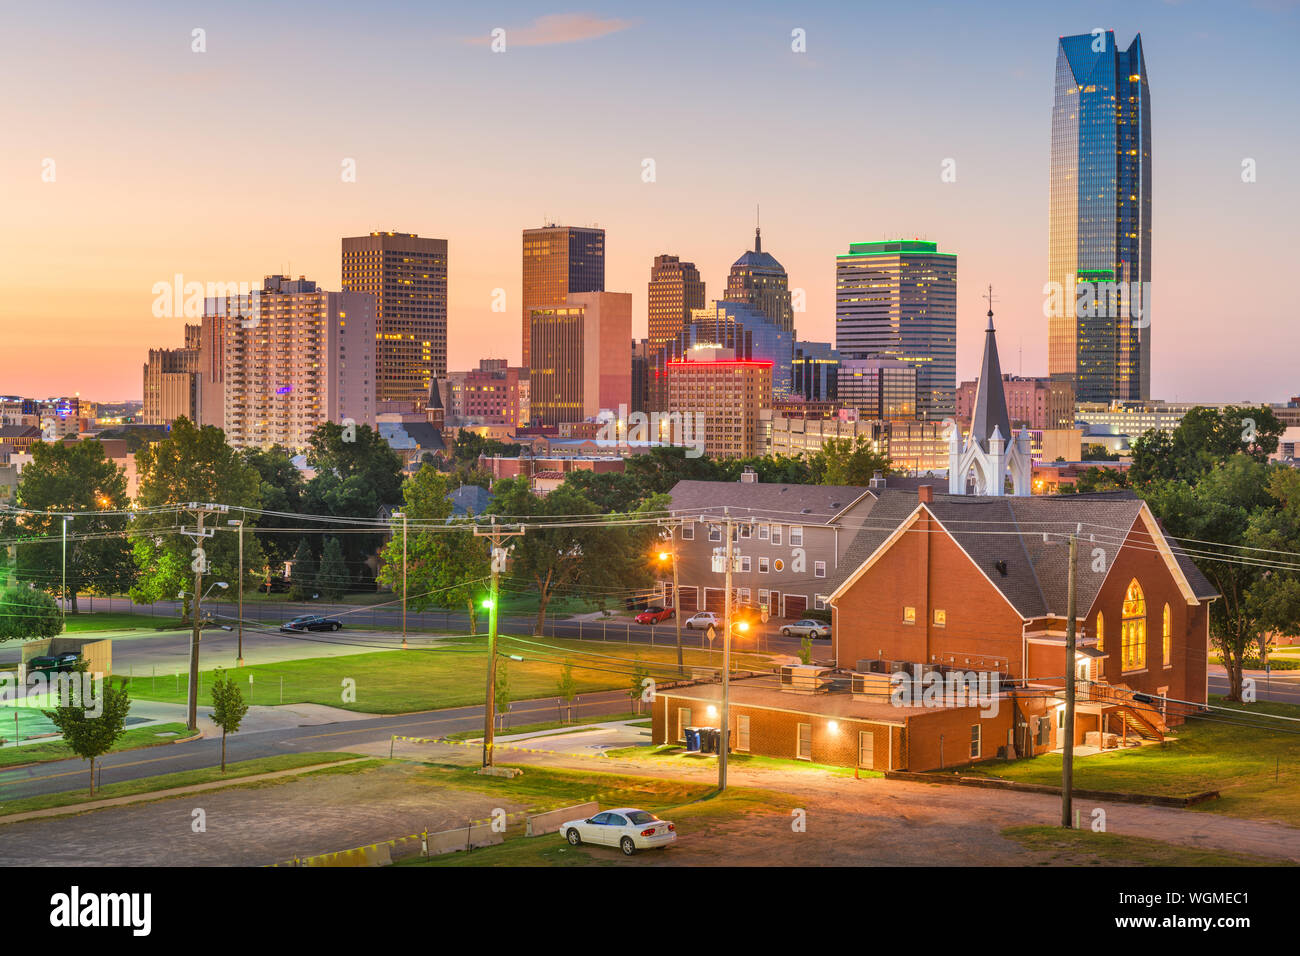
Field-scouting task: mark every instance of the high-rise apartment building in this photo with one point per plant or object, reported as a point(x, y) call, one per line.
point(173, 382)
point(1099, 229)
point(711, 387)
point(897, 299)
point(559, 260)
point(582, 357)
point(757, 279)
point(675, 289)
point(407, 275)
point(307, 358)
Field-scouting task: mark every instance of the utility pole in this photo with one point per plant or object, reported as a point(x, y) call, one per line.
point(677, 618)
point(1067, 744)
point(402, 515)
point(198, 566)
point(498, 565)
point(63, 595)
point(725, 743)
point(239, 660)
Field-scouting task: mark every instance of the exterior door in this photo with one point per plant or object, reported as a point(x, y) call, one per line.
point(689, 599)
point(866, 749)
point(796, 605)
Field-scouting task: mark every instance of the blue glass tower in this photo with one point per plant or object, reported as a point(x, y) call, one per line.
point(1099, 246)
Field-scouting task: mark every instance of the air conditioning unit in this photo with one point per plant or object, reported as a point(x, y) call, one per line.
point(871, 686)
point(804, 679)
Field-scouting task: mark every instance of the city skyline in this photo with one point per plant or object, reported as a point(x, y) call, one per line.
point(123, 220)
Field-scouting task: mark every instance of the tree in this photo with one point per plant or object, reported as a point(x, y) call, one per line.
point(302, 574)
point(332, 578)
point(192, 464)
point(469, 445)
point(357, 473)
point(73, 477)
point(1228, 512)
point(88, 734)
point(28, 614)
point(444, 568)
point(567, 689)
point(845, 462)
point(639, 676)
point(1203, 440)
point(281, 489)
point(1274, 600)
point(228, 708)
point(557, 555)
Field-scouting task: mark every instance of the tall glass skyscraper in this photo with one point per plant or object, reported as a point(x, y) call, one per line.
point(559, 260)
point(897, 299)
point(1099, 245)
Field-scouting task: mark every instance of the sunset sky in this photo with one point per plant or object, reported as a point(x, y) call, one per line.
point(225, 165)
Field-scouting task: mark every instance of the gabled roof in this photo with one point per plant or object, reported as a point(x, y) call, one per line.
point(1000, 533)
point(469, 499)
point(795, 504)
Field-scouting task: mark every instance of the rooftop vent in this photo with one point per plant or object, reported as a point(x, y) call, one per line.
point(749, 475)
point(1001, 567)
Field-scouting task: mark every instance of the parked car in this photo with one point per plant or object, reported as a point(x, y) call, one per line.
point(814, 629)
point(638, 602)
point(626, 828)
point(655, 615)
point(52, 662)
point(703, 621)
point(310, 622)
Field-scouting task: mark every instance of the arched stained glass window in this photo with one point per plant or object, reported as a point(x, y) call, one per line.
point(1133, 629)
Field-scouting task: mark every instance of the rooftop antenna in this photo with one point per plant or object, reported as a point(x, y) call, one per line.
point(758, 240)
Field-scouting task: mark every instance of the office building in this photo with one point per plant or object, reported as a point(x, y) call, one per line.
point(495, 393)
point(814, 372)
point(557, 261)
point(582, 357)
point(173, 384)
point(675, 289)
point(1099, 229)
point(758, 280)
point(878, 388)
point(407, 275)
point(717, 398)
point(897, 300)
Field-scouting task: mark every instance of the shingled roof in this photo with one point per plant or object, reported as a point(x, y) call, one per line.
point(806, 504)
point(1035, 577)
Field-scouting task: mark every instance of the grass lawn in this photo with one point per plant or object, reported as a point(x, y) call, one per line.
point(394, 682)
point(119, 621)
point(185, 778)
point(691, 806)
point(1085, 848)
point(573, 726)
point(132, 739)
point(1240, 762)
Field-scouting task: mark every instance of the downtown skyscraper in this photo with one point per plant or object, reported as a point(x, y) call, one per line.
point(757, 279)
point(559, 260)
point(897, 299)
point(1099, 236)
point(675, 288)
point(407, 275)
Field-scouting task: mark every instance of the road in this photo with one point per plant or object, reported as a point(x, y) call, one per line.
point(63, 775)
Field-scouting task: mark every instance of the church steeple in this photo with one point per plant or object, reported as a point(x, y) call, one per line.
point(990, 411)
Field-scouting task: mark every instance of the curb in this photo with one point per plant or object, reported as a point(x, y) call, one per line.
point(165, 743)
point(995, 783)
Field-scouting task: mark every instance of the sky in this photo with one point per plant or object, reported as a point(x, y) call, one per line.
point(227, 165)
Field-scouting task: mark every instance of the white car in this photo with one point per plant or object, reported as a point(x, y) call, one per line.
point(703, 621)
point(626, 828)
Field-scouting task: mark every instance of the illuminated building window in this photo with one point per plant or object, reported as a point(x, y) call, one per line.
point(1133, 629)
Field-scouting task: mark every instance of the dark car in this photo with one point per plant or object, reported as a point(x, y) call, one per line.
point(53, 662)
point(655, 615)
point(310, 622)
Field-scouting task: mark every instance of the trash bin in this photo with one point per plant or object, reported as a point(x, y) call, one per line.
point(692, 735)
point(709, 740)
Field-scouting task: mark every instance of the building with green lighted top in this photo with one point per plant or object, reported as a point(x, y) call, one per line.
point(1099, 230)
point(897, 299)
